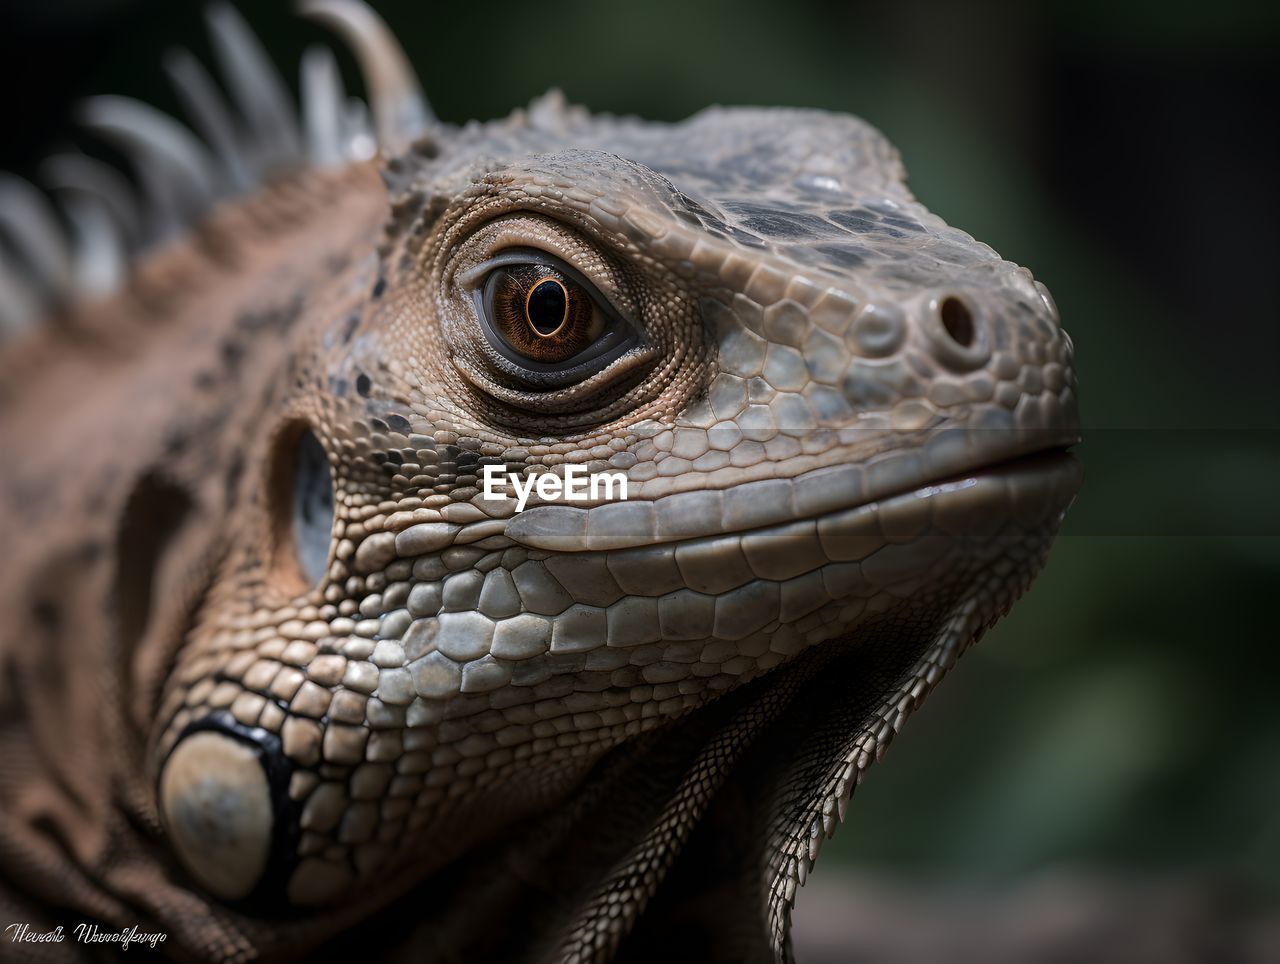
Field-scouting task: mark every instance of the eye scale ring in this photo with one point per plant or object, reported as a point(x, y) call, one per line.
point(548, 291)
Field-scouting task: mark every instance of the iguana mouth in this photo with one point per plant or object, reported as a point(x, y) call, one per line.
point(1055, 458)
point(1040, 470)
point(1051, 475)
point(775, 504)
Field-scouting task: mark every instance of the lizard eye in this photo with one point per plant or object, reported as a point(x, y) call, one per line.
point(540, 313)
point(545, 319)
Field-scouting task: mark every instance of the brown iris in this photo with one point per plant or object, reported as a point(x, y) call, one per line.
point(542, 314)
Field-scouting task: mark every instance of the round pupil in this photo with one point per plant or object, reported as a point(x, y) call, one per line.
point(546, 306)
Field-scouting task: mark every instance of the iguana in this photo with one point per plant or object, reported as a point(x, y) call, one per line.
point(278, 680)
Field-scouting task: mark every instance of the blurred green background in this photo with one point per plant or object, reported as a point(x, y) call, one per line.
point(1125, 715)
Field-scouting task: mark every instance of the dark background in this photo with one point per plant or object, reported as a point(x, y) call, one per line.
point(1119, 731)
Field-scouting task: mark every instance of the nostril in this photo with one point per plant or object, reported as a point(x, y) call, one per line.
point(957, 332)
point(957, 321)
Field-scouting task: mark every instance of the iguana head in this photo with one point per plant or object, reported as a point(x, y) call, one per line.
point(841, 425)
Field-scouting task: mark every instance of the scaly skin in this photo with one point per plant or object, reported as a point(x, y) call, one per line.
point(578, 732)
